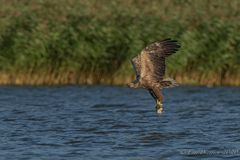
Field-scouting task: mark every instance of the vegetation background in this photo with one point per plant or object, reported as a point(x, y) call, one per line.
point(92, 41)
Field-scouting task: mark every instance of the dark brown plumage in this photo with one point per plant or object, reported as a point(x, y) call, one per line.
point(150, 66)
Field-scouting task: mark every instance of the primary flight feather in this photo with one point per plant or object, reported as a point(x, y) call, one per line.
point(150, 66)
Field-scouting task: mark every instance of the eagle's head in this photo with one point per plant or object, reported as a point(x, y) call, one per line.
point(133, 84)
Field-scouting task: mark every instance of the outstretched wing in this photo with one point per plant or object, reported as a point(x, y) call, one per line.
point(153, 59)
point(136, 62)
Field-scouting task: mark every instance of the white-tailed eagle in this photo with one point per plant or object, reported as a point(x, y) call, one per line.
point(149, 67)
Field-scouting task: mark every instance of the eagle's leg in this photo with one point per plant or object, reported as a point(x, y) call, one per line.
point(152, 94)
point(159, 105)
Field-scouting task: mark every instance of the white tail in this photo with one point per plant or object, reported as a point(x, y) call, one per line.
point(168, 83)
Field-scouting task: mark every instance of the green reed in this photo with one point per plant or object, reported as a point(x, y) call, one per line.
point(95, 40)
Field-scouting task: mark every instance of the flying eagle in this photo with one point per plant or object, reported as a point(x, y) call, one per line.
point(149, 67)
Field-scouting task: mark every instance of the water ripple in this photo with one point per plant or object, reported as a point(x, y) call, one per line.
point(117, 123)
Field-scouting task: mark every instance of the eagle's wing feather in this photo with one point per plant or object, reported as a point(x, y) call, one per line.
point(136, 62)
point(153, 59)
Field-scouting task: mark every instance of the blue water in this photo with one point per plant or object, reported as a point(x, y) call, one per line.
point(103, 122)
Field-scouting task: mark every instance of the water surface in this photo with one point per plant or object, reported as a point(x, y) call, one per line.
point(103, 122)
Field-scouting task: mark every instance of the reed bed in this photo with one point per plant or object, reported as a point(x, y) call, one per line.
point(92, 41)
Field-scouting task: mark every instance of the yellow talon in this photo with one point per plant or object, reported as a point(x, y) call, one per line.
point(159, 107)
